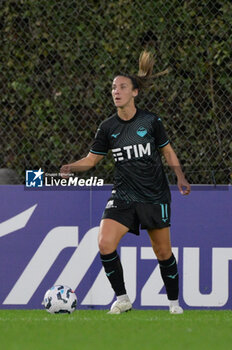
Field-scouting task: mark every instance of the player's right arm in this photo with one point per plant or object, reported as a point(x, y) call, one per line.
point(97, 152)
point(83, 164)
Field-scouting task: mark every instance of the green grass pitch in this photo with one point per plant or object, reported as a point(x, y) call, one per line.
point(138, 329)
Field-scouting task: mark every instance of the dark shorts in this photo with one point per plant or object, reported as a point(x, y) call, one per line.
point(136, 215)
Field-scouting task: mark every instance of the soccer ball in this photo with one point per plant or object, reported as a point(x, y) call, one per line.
point(60, 299)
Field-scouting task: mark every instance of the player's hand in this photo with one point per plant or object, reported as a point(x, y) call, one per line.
point(65, 171)
point(184, 186)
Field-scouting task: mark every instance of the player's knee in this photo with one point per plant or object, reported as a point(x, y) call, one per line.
point(105, 245)
point(163, 253)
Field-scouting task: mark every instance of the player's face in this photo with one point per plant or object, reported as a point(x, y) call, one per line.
point(122, 92)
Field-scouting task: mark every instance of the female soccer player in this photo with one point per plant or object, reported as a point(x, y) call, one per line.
point(140, 195)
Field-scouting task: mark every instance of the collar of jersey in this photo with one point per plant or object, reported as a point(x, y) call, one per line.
point(130, 120)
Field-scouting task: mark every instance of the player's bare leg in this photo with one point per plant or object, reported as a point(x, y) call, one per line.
point(110, 234)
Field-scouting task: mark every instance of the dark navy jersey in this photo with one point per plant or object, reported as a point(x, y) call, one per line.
point(139, 174)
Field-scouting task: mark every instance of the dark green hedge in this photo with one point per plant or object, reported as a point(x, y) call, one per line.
point(58, 59)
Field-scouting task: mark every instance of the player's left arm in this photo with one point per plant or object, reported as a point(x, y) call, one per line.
point(172, 160)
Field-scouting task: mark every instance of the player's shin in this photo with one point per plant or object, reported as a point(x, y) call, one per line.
point(114, 272)
point(169, 273)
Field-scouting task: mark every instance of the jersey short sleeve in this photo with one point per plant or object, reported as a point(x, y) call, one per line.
point(161, 138)
point(100, 144)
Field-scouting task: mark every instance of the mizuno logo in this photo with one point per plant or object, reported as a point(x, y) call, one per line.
point(173, 276)
point(109, 273)
point(115, 135)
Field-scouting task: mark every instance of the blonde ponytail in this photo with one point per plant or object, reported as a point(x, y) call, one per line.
point(143, 79)
point(144, 75)
point(146, 64)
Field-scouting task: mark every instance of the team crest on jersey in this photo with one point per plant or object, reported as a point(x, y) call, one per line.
point(141, 131)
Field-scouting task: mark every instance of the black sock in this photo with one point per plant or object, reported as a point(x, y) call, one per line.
point(114, 272)
point(169, 273)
